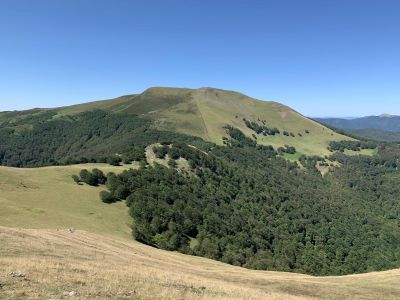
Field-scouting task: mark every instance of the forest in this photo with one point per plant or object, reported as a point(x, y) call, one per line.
point(244, 205)
point(45, 138)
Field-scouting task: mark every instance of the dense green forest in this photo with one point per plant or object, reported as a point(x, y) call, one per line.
point(45, 138)
point(244, 205)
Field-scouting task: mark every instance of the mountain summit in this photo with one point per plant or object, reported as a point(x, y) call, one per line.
point(205, 112)
point(384, 115)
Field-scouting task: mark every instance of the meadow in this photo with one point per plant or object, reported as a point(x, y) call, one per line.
point(48, 198)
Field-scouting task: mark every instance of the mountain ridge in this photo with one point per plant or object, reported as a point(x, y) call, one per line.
point(206, 111)
point(384, 127)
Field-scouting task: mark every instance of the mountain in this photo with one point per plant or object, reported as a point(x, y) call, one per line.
point(201, 177)
point(202, 113)
point(384, 127)
point(375, 134)
point(384, 122)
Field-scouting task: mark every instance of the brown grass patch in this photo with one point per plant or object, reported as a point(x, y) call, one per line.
point(94, 266)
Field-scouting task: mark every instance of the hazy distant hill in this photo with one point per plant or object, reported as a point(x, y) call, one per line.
point(384, 127)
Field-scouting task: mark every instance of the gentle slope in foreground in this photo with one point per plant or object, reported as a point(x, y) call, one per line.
point(94, 266)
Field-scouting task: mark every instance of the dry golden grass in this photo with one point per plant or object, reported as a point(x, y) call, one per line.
point(94, 266)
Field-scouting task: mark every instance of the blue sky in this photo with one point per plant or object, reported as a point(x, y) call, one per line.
point(322, 57)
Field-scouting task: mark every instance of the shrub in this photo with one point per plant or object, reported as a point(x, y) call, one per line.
point(99, 176)
point(160, 152)
point(172, 163)
point(121, 192)
point(106, 197)
point(76, 179)
point(112, 182)
point(88, 177)
point(114, 160)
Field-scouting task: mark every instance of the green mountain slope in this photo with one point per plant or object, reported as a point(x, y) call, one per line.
point(95, 130)
point(204, 112)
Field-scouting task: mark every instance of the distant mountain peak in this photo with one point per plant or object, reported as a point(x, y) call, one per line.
point(384, 115)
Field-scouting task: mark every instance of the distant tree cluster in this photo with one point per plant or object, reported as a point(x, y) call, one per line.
point(161, 152)
point(287, 149)
point(261, 129)
point(351, 145)
point(94, 178)
point(116, 189)
point(237, 138)
point(135, 153)
point(265, 130)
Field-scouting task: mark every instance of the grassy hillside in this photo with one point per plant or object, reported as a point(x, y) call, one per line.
point(49, 198)
point(202, 113)
point(102, 104)
point(96, 267)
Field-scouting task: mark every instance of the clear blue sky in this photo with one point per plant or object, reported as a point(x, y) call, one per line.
point(321, 57)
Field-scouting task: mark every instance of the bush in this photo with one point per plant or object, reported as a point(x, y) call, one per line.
point(112, 181)
point(114, 160)
point(76, 179)
point(160, 152)
point(172, 163)
point(121, 192)
point(93, 178)
point(88, 177)
point(106, 197)
point(99, 176)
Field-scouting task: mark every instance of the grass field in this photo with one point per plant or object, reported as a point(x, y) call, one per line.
point(49, 198)
point(98, 267)
point(292, 157)
point(368, 152)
